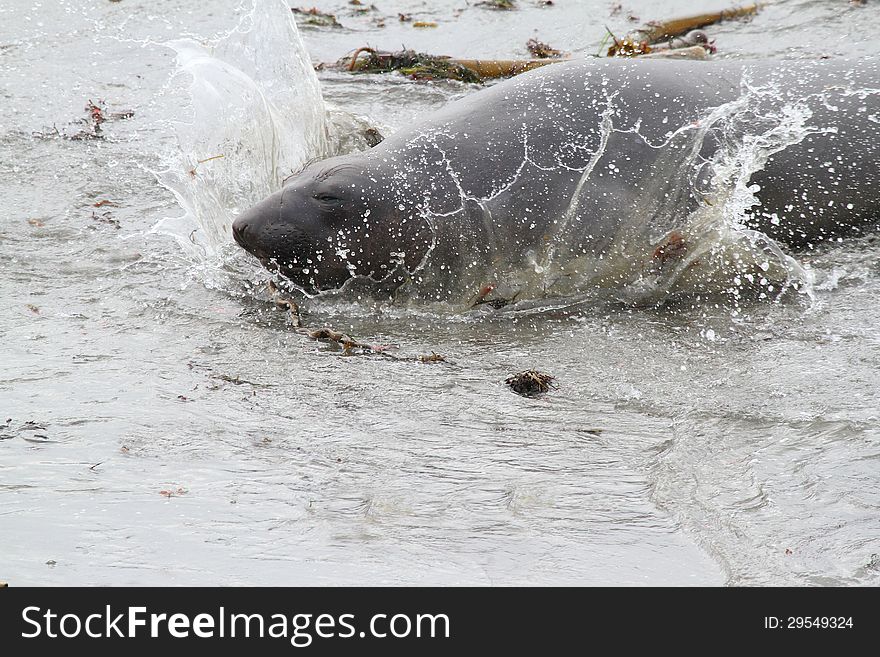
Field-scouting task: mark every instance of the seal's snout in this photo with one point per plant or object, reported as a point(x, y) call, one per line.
point(239, 230)
point(253, 228)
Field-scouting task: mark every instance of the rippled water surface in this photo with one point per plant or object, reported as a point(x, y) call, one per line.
point(160, 423)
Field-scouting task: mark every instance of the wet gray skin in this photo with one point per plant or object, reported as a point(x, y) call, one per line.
point(565, 161)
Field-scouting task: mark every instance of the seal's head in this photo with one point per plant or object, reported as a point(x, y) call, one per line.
point(332, 222)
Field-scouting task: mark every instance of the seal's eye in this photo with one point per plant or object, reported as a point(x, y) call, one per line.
point(328, 198)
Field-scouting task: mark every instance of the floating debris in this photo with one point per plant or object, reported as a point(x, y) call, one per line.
point(315, 17)
point(93, 124)
point(505, 5)
point(192, 172)
point(659, 35)
point(673, 247)
point(284, 301)
point(173, 493)
point(541, 50)
point(488, 69)
point(416, 65)
point(530, 383)
point(627, 47)
point(96, 113)
point(656, 31)
point(54, 133)
point(693, 45)
point(348, 344)
point(237, 380)
point(97, 116)
point(121, 116)
point(106, 218)
point(422, 66)
point(481, 298)
point(358, 7)
point(373, 137)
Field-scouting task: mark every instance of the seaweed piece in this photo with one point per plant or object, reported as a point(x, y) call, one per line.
point(530, 383)
point(106, 218)
point(656, 31)
point(505, 5)
point(283, 301)
point(482, 298)
point(682, 46)
point(673, 247)
point(627, 46)
point(419, 66)
point(316, 17)
point(503, 68)
point(93, 124)
point(346, 342)
point(373, 137)
point(541, 50)
point(423, 66)
point(192, 172)
point(349, 345)
point(646, 38)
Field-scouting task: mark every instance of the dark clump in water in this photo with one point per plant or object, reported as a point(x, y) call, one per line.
point(530, 383)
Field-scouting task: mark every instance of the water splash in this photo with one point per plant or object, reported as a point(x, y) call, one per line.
point(725, 256)
point(257, 115)
point(722, 256)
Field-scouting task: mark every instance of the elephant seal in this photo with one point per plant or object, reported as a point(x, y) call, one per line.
point(639, 175)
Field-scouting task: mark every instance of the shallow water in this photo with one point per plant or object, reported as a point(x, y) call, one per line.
point(161, 424)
